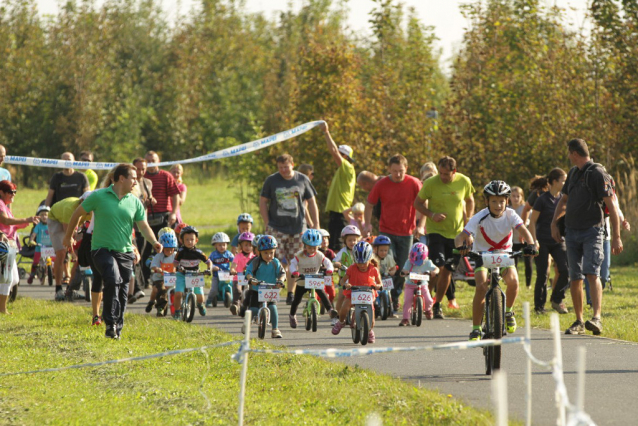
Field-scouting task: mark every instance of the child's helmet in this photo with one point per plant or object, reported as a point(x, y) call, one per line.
point(244, 217)
point(418, 253)
point(362, 252)
point(220, 237)
point(497, 187)
point(164, 230)
point(312, 238)
point(43, 208)
point(255, 241)
point(382, 240)
point(168, 240)
point(267, 242)
point(350, 230)
point(324, 233)
point(246, 236)
point(188, 230)
point(4, 251)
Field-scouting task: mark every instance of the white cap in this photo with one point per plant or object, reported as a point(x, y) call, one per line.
point(345, 150)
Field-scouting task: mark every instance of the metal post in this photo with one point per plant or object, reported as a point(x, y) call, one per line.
point(528, 371)
point(499, 394)
point(558, 368)
point(580, 371)
point(244, 368)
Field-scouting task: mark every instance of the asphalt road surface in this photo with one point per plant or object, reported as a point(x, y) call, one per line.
point(612, 366)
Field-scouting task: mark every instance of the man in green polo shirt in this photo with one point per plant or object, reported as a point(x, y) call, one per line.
point(115, 210)
point(341, 192)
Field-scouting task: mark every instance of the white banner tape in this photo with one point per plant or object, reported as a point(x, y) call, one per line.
point(222, 153)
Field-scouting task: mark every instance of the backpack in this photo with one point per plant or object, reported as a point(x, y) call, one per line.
point(589, 183)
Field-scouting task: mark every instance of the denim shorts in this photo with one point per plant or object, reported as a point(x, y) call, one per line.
point(180, 285)
point(585, 252)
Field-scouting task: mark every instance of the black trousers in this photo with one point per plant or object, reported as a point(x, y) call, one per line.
point(527, 261)
point(336, 224)
point(558, 251)
point(300, 291)
point(115, 270)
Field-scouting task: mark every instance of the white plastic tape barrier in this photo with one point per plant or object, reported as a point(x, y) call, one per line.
point(222, 153)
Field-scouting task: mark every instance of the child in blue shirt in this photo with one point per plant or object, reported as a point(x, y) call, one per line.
point(268, 269)
point(222, 259)
point(40, 234)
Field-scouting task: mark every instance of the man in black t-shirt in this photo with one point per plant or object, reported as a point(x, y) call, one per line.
point(586, 188)
point(67, 183)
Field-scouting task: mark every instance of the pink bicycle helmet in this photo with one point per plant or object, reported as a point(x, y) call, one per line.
point(350, 230)
point(246, 236)
point(418, 254)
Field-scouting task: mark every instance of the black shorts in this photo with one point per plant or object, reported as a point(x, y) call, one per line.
point(440, 249)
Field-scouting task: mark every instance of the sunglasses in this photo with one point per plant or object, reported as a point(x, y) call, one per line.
point(13, 191)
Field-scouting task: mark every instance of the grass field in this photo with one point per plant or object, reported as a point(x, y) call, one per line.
point(178, 389)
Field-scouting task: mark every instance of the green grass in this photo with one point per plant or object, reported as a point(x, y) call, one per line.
point(280, 389)
point(620, 306)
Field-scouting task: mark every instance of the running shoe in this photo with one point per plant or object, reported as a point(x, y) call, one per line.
point(578, 327)
point(453, 304)
point(334, 314)
point(438, 312)
point(510, 321)
point(233, 309)
point(289, 299)
point(209, 303)
point(97, 320)
point(594, 325)
point(293, 321)
point(371, 338)
point(404, 323)
point(475, 335)
point(337, 328)
point(139, 294)
point(30, 279)
point(149, 306)
point(276, 334)
point(559, 307)
point(178, 314)
point(201, 309)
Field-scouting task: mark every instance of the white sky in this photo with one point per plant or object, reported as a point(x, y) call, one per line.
point(443, 15)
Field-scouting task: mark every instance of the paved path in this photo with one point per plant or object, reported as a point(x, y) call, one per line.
point(612, 366)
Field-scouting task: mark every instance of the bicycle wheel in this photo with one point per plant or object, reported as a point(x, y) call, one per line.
point(227, 299)
point(189, 312)
point(419, 311)
point(14, 293)
point(87, 284)
point(494, 331)
point(263, 322)
point(313, 316)
point(384, 305)
point(356, 334)
point(413, 313)
point(306, 315)
point(365, 327)
point(22, 273)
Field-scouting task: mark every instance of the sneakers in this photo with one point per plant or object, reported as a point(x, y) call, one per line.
point(475, 335)
point(233, 309)
point(577, 328)
point(404, 323)
point(337, 328)
point(334, 314)
point(201, 309)
point(177, 315)
point(429, 314)
point(333, 321)
point(293, 321)
point(131, 299)
point(540, 311)
point(510, 321)
point(559, 307)
point(243, 329)
point(594, 325)
point(453, 304)
point(289, 298)
point(111, 333)
point(97, 320)
point(209, 303)
point(438, 312)
point(371, 338)
point(139, 295)
point(149, 306)
point(394, 315)
point(60, 296)
point(276, 334)
point(30, 279)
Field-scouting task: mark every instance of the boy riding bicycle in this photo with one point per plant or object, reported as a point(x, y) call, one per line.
point(491, 229)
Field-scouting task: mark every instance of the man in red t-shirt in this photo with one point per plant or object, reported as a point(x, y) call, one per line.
point(396, 193)
point(161, 214)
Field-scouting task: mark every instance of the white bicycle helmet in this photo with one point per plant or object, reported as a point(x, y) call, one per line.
point(220, 237)
point(324, 233)
point(497, 187)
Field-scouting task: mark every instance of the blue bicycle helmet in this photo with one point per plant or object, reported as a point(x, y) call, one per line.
point(382, 240)
point(244, 217)
point(4, 251)
point(188, 230)
point(362, 252)
point(255, 241)
point(168, 240)
point(312, 238)
point(267, 242)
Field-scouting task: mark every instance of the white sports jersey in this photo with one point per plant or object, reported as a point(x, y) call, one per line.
point(493, 234)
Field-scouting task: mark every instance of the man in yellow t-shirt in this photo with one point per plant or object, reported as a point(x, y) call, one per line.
point(441, 200)
point(341, 192)
point(87, 156)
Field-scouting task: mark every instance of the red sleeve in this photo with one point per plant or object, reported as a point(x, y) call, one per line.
point(171, 185)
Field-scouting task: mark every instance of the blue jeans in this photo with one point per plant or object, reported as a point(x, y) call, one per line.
point(400, 250)
point(604, 269)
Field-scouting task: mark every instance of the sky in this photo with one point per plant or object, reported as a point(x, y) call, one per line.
point(443, 15)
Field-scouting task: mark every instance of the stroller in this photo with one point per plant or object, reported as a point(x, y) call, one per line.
point(25, 258)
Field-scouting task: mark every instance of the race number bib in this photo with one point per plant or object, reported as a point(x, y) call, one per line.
point(314, 282)
point(223, 275)
point(361, 297)
point(497, 260)
point(268, 294)
point(388, 284)
point(419, 277)
point(47, 252)
point(170, 279)
point(327, 280)
point(241, 279)
point(193, 281)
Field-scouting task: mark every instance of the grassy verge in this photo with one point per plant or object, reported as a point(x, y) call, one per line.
point(280, 389)
point(620, 306)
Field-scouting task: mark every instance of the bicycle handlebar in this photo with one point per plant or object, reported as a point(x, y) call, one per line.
point(476, 255)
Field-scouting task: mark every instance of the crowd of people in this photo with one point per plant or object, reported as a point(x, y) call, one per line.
point(570, 219)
